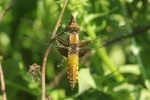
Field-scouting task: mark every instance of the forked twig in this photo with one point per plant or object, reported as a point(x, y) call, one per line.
point(9, 7)
point(4, 97)
point(48, 50)
point(57, 79)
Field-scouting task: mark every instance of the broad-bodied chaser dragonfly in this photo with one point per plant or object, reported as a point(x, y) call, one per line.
point(72, 48)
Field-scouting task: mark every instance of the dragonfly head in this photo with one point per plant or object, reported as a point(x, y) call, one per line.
point(73, 25)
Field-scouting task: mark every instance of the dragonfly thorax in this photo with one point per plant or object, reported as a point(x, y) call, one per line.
point(73, 38)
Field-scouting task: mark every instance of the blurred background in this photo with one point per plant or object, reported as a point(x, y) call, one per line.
point(121, 73)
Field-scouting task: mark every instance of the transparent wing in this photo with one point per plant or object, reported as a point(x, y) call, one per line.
point(119, 37)
point(32, 29)
point(107, 43)
point(35, 37)
point(40, 47)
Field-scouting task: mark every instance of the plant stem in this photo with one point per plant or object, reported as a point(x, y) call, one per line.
point(4, 97)
point(48, 50)
point(6, 10)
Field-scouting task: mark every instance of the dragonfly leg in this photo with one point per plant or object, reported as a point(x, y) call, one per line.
point(63, 60)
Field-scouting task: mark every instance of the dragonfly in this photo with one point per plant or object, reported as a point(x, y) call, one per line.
point(72, 48)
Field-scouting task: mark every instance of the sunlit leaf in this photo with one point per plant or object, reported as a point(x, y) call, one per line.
point(85, 80)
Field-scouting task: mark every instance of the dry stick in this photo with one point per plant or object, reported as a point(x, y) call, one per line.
point(48, 50)
point(4, 97)
point(9, 7)
point(56, 80)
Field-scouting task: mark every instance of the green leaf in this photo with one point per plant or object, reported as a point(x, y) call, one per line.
point(85, 80)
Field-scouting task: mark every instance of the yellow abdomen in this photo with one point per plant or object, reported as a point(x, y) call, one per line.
point(72, 70)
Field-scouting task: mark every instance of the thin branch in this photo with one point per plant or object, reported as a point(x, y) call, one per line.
point(48, 50)
point(4, 97)
point(57, 79)
point(6, 11)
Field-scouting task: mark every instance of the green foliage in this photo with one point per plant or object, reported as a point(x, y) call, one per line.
point(117, 75)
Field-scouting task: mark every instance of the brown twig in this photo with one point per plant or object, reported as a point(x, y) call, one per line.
point(6, 11)
point(48, 50)
point(56, 80)
point(4, 97)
